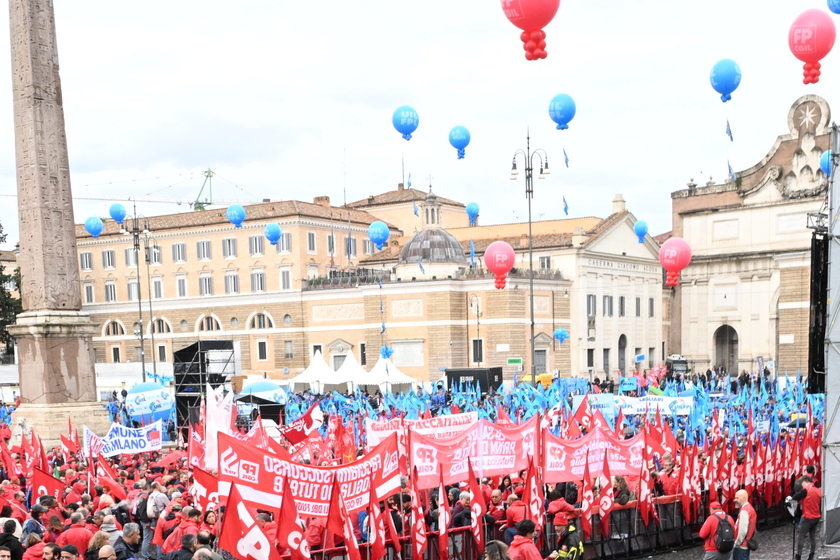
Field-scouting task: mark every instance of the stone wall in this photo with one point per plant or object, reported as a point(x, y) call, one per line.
point(794, 323)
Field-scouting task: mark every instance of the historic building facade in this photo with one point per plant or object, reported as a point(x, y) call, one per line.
point(746, 292)
point(420, 295)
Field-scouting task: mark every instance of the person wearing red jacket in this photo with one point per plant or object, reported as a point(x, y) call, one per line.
point(190, 526)
point(708, 531)
point(269, 527)
point(496, 507)
point(209, 523)
point(514, 514)
point(809, 498)
point(76, 534)
point(523, 547)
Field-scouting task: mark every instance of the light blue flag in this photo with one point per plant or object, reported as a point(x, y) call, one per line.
point(416, 210)
point(731, 173)
point(409, 174)
point(729, 131)
point(566, 158)
point(565, 206)
point(472, 254)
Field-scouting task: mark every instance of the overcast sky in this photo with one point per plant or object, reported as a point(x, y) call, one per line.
point(275, 96)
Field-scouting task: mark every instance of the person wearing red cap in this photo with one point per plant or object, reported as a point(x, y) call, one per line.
point(569, 543)
point(708, 532)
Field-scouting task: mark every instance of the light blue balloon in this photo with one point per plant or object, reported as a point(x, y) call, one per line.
point(94, 226)
point(825, 162)
point(561, 335)
point(641, 229)
point(117, 212)
point(236, 215)
point(405, 120)
point(562, 110)
point(725, 78)
point(472, 211)
point(149, 402)
point(273, 233)
point(459, 137)
point(378, 233)
point(834, 6)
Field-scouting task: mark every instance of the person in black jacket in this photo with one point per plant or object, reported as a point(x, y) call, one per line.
point(10, 541)
point(188, 546)
point(128, 545)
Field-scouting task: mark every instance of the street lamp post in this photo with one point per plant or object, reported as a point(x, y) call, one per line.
point(529, 194)
point(475, 303)
point(136, 233)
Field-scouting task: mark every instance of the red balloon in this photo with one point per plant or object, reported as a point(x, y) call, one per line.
point(499, 257)
point(530, 15)
point(675, 254)
point(810, 38)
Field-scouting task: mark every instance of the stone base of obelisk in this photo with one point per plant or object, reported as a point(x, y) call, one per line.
point(50, 420)
point(57, 379)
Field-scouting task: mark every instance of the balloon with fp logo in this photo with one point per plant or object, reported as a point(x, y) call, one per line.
point(674, 255)
point(531, 16)
point(810, 39)
point(499, 258)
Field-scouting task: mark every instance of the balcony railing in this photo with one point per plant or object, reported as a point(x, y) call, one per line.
point(350, 279)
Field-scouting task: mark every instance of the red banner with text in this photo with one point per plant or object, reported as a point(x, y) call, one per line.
point(564, 460)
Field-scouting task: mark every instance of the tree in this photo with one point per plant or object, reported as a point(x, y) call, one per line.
point(10, 306)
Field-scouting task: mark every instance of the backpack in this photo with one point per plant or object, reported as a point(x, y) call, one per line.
point(140, 511)
point(724, 536)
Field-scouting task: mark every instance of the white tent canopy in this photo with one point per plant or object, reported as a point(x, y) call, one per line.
point(317, 375)
point(387, 377)
point(348, 373)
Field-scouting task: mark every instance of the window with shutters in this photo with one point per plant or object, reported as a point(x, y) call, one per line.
point(350, 242)
point(545, 263)
point(205, 286)
point(209, 324)
point(621, 306)
point(362, 354)
point(229, 247)
point(367, 246)
point(130, 257)
point(651, 307)
point(86, 260)
point(157, 288)
point(231, 283)
point(159, 326)
point(108, 259)
point(590, 305)
point(133, 291)
point(477, 350)
point(179, 252)
point(202, 249)
point(115, 354)
point(258, 281)
point(288, 351)
point(608, 306)
point(181, 283)
point(262, 350)
point(154, 254)
point(110, 292)
point(114, 329)
point(88, 293)
point(284, 244)
point(310, 242)
point(331, 244)
point(638, 307)
point(256, 245)
point(285, 279)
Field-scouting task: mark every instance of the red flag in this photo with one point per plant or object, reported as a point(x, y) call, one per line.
point(645, 497)
point(444, 518)
point(241, 535)
point(45, 484)
point(606, 500)
point(532, 496)
point(418, 528)
point(749, 476)
point(619, 424)
point(376, 534)
point(339, 522)
point(300, 429)
point(598, 421)
point(479, 508)
point(733, 473)
point(11, 466)
point(584, 414)
point(205, 490)
point(502, 417)
point(572, 429)
point(289, 527)
point(711, 474)
point(71, 446)
point(71, 433)
point(28, 454)
point(588, 496)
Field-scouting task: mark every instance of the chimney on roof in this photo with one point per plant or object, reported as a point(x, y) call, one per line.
point(579, 237)
point(523, 241)
point(370, 199)
point(395, 247)
point(400, 187)
point(619, 204)
point(322, 200)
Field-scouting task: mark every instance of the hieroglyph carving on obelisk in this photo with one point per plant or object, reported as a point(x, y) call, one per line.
point(47, 233)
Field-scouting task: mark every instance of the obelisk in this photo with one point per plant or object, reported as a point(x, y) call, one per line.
point(55, 357)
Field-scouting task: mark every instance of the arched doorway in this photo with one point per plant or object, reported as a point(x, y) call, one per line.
point(726, 348)
point(622, 351)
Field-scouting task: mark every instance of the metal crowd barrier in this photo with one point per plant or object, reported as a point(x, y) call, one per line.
point(628, 536)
